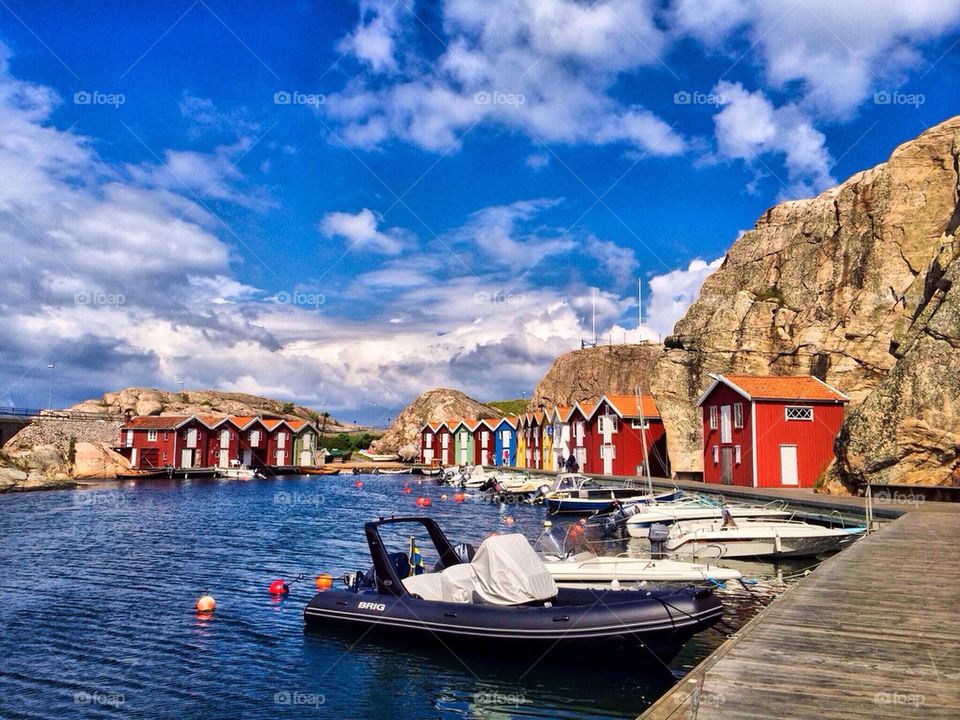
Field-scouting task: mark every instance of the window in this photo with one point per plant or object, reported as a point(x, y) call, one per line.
point(152, 435)
point(738, 415)
point(254, 437)
point(638, 424)
point(429, 440)
point(799, 412)
point(736, 454)
point(164, 453)
point(484, 438)
point(281, 440)
point(726, 424)
point(166, 436)
point(713, 417)
point(716, 454)
point(607, 424)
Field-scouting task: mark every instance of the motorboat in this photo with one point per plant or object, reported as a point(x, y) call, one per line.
point(570, 562)
point(502, 598)
point(241, 472)
point(582, 495)
point(391, 471)
point(637, 519)
point(754, 537)
point(318, 470)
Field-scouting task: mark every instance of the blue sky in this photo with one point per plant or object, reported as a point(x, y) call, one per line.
point(347, 204)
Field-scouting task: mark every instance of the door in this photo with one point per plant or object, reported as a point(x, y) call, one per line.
point(788, 465)
point(192, 438)
point(186, 458)
point(305, 457)
point(726, 434)
point(726, 465)
point(581, 455)
point(463, 455)
point(224, 460)
point(607, 453)
point(247, 457)
point(133, 457)
point(129, 438)
point(281, 456)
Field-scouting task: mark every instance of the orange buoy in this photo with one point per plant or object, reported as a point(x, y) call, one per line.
point(459, 497)
point(426, 502)
point(358, 484)
point(324, 581)
point(406, 489)
point(206, 603)
point(508, 520)
point(279, 587)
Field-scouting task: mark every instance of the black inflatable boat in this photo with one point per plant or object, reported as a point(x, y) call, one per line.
point(502, 598)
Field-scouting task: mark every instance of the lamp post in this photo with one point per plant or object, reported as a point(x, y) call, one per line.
point(50, 402)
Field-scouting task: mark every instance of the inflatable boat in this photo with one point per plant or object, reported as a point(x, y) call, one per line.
point(502, 598)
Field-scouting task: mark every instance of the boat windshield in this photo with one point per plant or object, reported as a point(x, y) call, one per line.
point(563, 541)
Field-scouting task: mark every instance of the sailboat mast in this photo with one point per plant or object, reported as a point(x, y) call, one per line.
point(643, 439)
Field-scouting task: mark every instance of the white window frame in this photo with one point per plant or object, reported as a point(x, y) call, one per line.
point(151, 435)
point(794, 413)
point(726, 424)
point(166, 435)
point(429, 440)
point(281, 440)
point(254, 437)
point(737, 415)
point(736, 454)
point(716, 454)
point(640, 424)
point(713, 417)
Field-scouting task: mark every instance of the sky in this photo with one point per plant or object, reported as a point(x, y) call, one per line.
point(346, 204)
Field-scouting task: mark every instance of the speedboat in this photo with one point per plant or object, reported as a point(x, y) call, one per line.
point(567, 565)
point(755, 537)
point(637, 519)
point(241, 472)
point(503, 599)
point(581, 495)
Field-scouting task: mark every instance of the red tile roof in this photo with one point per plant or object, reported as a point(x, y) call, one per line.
point(785, 387)
point(626, 405)
point(156, 422)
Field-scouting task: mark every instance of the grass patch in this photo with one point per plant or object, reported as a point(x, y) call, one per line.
point(771, 294)
point(510, 407)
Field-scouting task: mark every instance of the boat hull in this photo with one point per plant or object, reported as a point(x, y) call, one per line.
point(638, 526)
point(718, 544)
point(659, 623)
point(623, 569)
point(573, 505)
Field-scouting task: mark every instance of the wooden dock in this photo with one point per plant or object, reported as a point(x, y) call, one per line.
point(872, 633)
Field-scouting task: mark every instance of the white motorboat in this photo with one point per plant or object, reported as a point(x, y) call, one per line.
point(241, 472)
point(689, 509)
point(579, 494)
point(586, 566)
point(755, 537)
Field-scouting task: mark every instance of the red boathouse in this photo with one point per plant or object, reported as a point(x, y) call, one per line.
point(769, 431)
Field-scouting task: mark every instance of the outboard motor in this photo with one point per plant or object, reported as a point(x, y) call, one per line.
point(658, 536)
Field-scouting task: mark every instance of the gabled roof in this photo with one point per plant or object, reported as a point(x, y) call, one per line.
point(272, 423)
point(490, 423)
point(300, 425)
point(586, 407)
point(562, 412)
point(510, 420)
point(777, 387)
point(626, 405)
point(468, 423)
point(243, 421)
point(157, 422)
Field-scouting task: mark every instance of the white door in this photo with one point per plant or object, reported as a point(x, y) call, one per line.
point(280, 457)
point(186, 458)
point(305, 457)
point(129, 438)
point(580, 454)
point(192, 438)
point(281, 440)
point(607, 454)
point(428, 455)
point(484, 440)
point(247, 457)
point(224, 457)
point(726, 435)
point(224, 438)
point(133, 457)
point(463, 456)
point(788, 465)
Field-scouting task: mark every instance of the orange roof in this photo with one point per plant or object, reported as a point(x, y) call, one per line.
point(783, 387)
point(296, 425)
point(156, 422)
point(626, 405)
point(587, 407)
point(271, 423)
point(242, 420)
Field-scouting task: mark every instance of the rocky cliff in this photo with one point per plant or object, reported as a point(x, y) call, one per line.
point(831, 286)
point(432, 406)
point(588, 373)
point(150, 401)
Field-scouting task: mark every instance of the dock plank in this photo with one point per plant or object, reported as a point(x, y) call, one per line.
point(871, 633)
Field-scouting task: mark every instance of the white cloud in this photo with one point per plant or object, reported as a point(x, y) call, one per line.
point(673, 292)
point(361, 233)
point(749, 126)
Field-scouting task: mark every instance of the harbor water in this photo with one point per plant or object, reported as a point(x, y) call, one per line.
point(97, 612)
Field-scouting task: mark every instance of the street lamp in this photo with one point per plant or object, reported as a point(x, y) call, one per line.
point(50, 403)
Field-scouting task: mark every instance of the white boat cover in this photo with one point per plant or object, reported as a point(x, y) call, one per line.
point(454, 584)
point(507, 571)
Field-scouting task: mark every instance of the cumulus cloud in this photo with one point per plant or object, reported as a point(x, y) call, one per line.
point(749, 126)
point(361, 232)
point(672, 293)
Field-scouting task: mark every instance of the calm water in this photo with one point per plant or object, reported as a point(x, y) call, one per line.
point(96, 608)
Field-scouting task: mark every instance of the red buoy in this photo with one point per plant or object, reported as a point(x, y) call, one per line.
point(459, 497)
point(425, 502)
point(358, 484)
point(279, 587)
point(406, 489)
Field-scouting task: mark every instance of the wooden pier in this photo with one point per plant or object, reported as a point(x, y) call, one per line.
point(871, 633)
